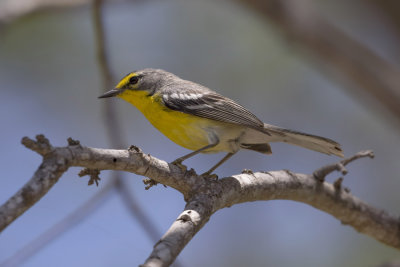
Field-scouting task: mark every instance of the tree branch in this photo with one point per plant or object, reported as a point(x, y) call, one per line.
point(185, 227)
point(48, 173)
point(321, 173)
point(323, 196)
point(247, 187)
point(203, 196)
point(57, 160)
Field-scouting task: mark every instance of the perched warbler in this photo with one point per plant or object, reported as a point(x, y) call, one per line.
point(199, 119)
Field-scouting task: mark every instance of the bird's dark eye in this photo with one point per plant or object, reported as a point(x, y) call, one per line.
point(134, 80)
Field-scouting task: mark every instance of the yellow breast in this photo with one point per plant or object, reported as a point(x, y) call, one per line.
point(185, 130)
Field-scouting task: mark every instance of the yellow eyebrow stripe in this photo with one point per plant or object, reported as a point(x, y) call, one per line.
point(124, 81)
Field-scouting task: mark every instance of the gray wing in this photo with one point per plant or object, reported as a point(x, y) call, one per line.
point(210, 105)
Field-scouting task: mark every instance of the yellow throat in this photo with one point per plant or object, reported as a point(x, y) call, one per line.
point(183, 129)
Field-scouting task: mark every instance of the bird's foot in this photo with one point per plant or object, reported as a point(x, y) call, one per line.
point(178, 163)
point(210, 176)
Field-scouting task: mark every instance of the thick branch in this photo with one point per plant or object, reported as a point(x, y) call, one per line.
point(204, 196)
point(286, 185)
point(323, 196)
point(57, 160)
point(190, 221)
point(48, 173)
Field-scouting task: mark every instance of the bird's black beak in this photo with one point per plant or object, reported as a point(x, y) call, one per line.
point(110, 93)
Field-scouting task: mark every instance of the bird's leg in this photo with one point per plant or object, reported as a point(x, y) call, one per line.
point(228, 156)
point(213, 141)
point(178, 161)
point(191, 154)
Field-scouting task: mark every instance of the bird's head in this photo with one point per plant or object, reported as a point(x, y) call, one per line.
point(146, 81)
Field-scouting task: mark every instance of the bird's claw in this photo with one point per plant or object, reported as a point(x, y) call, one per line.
point(179, 164)
point(210, 176)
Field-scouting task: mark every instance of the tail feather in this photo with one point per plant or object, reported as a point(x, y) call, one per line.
point(309, 141)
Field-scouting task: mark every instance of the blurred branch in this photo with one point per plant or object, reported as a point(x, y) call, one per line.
point(336, 51)
point(102, 57)
point(61, 227)
point(11, 10)
point(204, 196)
point(393, 263)
point(391, 8)
point(112, 123)
point(42, 145)
point(136, 210)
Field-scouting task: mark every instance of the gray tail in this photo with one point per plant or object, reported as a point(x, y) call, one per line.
point(313, 142)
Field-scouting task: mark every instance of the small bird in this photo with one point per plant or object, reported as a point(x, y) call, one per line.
point(204, 121)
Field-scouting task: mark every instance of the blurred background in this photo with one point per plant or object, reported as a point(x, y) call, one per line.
point(329, 68)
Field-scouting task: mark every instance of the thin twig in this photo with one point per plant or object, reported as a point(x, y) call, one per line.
point(322, 172)
point(42, 145)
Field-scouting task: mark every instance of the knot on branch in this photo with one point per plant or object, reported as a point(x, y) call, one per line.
point(185, 216)
point(93, 173)
point(72, 142)
point(41, 145)
point(135, 149)
point(338, 183)
point(321, 173)
point(150, 183)
point(247, 171)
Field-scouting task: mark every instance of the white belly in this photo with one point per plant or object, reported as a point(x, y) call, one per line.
point(231, 136)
